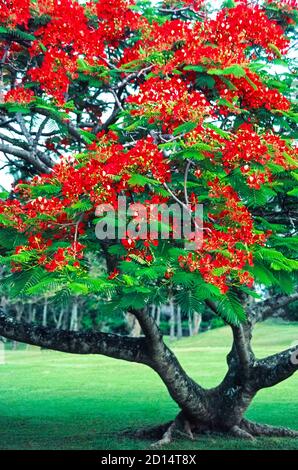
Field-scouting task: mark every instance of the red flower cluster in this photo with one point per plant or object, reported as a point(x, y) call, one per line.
point(210, 267)
point(83, 45)
point(97, 178)
point(233, 32)
point(115, 18)
point(55, 73)
point(232, 213)
point(170, 102)
point(35, 242)
point(65, 256)
point(159, 38)
point(100, 178)
point(220, 259)
point(75, 31)
point(145, 155)
point(41, 205)
point(19, 95)
point(67, 27)
point(141, 249)
point(253, 93)
point(14, 12)
point(247, 25)
point(257, 178)
point(280, 150)
point(245, 147)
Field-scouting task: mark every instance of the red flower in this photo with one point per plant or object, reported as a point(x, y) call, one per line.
point(19, 95)
point(128, 243)
point(114, 274)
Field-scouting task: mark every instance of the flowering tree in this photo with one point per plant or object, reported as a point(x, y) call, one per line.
point(157, 104)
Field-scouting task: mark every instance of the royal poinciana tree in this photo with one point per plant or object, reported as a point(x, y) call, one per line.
point(158, 103)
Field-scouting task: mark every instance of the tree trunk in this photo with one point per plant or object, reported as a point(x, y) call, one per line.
point(133, 325)
point(219, 409)
point(179, 322)
point(172, 321)
point(60, 318)
point(19, 314)
point(197, 319)
point(45, 312)
point(74, 321)
point(158, 312)
point(222, 408)
point(190, 325)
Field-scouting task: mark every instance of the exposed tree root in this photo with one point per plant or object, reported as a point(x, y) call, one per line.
point(236, 431)
point(257, 429)
point(153, 432)
point(181, 427)
point(167, 436)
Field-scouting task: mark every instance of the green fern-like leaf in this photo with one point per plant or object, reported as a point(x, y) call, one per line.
point(231, 309)
point(188, 301)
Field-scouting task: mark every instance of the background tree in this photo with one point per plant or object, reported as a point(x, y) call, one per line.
point(163, 103)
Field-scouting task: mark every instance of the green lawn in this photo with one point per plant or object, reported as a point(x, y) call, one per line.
point(50, 400)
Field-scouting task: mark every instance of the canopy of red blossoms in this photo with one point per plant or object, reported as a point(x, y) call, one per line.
point(175, 82)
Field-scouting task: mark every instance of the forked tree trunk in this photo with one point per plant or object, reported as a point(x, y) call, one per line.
point(220, 409)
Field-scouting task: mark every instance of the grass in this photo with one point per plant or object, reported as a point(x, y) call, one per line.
point(50, 400)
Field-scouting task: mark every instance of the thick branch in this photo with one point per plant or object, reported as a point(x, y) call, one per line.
point(75, 342)
point(242, 347)
point(73, 131)
point(32, 151)
point(274, 369)
point(270, 307)
point(187, 393)
point(150, 329)
point(24, 155)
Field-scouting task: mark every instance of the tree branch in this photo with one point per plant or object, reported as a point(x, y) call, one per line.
point(25, 155)
point(73, 131)
point(149, 327)
point(270, 307)
point(277, 368)
point(242, 348)
point(76, 342)
point(25, 146)
point(180, 386)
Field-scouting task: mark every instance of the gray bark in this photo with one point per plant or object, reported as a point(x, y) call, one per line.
point(45, 312)
point(178, 322)
point(74, 320)
point(172, 321)
point(197, 322)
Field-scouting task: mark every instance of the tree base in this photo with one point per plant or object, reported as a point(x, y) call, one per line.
point(180, 427)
